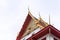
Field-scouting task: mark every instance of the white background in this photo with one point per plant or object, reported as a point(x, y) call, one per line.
point(14, 12)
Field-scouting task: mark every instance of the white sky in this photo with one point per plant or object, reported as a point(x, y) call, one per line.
point(14, 12)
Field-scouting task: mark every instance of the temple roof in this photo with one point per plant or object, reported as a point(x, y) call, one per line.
point(44, 31)
point(27, 26)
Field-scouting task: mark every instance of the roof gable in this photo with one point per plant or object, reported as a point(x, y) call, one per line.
point(26, 24)
point(45, 31)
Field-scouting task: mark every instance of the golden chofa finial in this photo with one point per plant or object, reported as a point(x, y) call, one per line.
point(49, 19)
point(28, 8)
point(39, 16)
